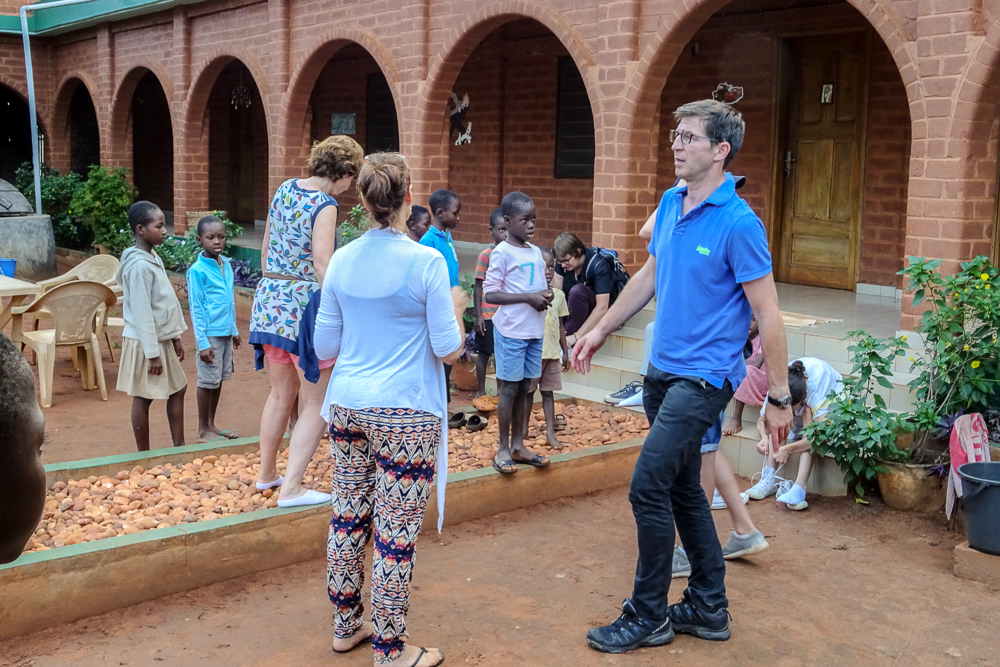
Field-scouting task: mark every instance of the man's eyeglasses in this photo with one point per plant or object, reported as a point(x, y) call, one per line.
point(686, 137)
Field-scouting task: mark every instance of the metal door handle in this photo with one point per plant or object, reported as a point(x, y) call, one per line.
point(788, 163)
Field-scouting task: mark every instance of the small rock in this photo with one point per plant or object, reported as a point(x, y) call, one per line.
point(953, 652)
point(190, 518)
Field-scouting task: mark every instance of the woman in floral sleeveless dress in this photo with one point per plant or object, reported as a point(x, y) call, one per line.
point(299, 241)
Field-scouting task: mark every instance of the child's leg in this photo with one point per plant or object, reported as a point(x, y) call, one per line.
point(805, 467)
point(293, 415)
point(505, 412)
point(204, 414)
point(735, 424)
point(708, 474)
point(529, 402)
point(482, 363)
point(140, 422)
point(725, 482)
point(175, 417)
point(519, 416)
point(549, 408)
point(213, 406)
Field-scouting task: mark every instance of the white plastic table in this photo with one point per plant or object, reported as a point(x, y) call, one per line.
point(18, 291)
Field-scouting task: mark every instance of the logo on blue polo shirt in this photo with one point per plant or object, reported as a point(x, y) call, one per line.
point(703, 250)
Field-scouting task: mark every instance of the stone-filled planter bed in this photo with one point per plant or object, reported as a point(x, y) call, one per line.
point(100, 506)
point(46, 588)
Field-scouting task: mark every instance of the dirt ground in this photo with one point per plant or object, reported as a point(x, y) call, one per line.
point(842, 584)
point(79, 425)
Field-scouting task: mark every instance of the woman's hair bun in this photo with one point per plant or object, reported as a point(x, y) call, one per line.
point(383, 182)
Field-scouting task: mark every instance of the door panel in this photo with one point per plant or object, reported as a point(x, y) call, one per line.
point(824, 141)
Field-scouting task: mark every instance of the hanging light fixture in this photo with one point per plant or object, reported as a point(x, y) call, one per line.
point(241, 95)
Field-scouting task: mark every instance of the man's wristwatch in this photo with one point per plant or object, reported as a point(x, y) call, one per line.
point(784, 402)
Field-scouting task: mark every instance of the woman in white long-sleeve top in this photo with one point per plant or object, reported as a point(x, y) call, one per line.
point(388, 317)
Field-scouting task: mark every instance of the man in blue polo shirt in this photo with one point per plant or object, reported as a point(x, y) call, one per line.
point(709, 265)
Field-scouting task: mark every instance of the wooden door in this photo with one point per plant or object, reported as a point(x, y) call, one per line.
point(823, 160)
point(241, 180)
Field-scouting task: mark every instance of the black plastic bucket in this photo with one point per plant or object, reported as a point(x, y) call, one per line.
point(981, 499)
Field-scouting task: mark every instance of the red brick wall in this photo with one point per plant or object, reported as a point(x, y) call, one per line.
point(512, 86)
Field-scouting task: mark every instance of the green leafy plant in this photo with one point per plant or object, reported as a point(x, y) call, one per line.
point(57, 195)
point(959, 366)
point(357, 223)
point(859, 431)
point(178, 254)
point(102, 204)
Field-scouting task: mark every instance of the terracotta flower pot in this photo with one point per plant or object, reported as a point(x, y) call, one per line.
point(463, 375)
point(912, 487)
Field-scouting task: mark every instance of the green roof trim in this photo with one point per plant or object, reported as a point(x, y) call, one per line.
point(72, 17)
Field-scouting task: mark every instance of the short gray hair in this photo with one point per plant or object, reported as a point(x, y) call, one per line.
point(722, 123)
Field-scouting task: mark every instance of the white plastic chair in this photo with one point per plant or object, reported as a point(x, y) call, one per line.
point(74, 308)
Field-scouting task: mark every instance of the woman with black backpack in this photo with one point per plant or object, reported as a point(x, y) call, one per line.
point(592, 278)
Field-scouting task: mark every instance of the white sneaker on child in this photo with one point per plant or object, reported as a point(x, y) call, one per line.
point(719, 504)
point(767, 486)
point(792, 495)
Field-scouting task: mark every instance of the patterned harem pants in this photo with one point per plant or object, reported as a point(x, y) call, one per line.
point(384, 462)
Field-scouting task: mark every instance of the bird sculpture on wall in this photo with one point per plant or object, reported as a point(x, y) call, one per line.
point(458, 118)
point(728, 93)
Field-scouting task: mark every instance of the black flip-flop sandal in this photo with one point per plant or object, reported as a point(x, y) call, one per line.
point(421, 654)
point(457, 420)
point(366, 640)
point(497, 466)
point(536, 461)
point(475, 423)
point(559, 423)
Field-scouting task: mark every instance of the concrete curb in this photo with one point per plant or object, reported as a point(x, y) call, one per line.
point(49, 588)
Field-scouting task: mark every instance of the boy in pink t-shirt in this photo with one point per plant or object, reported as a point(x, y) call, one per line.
point(515, 281)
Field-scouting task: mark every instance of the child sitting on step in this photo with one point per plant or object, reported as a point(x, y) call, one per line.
point(812, 383)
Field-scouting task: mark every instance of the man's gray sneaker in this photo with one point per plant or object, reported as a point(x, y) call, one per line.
point(744, 545)
point(681, 566)
point(628, 391)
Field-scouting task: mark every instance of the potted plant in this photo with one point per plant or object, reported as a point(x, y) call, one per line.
point(859, 432)
point(958, 370)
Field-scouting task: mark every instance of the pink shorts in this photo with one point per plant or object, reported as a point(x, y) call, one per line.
point(278, 356)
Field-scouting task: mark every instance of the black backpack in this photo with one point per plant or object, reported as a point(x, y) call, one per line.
point(619, 273)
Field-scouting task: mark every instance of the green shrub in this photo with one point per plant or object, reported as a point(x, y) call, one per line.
point(102, 204)
point(357, 223)
point(57, 195)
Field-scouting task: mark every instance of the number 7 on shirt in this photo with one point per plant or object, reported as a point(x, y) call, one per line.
point(531, 279)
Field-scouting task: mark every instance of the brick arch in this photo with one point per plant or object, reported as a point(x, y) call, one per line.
point(645, 85)
point(18, 87)
point(121, 105)
point(306, 73)
point(639, 112)
point(429, 130)
point(59, 120)
point(204, 82)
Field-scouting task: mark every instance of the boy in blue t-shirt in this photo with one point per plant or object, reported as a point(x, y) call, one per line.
point(446, 212)
point(211, 285)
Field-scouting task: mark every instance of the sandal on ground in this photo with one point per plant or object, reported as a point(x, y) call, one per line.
point(361, 642)
point(535, 460)
point(421, 655)
point(506, 466)
point(559, 423)
point(227, 434)
point(484, 404)
point(475, 423)
point(457, 420)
